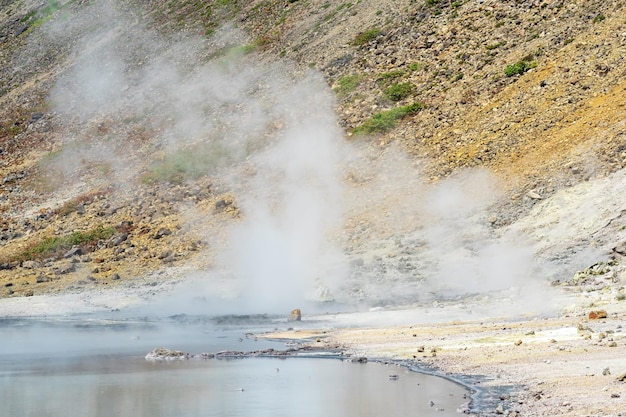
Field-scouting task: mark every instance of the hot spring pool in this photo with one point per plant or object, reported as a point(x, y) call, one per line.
point(72, 368)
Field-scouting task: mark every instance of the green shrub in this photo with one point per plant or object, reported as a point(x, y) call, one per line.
point(348, 84)
point(388, 77)
point(54, 246)
point(599, 18)
point(518, 68)
point(367, 36)
point(386, 120)
point(397, 92)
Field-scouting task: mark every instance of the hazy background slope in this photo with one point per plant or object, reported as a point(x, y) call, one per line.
point(370, 151)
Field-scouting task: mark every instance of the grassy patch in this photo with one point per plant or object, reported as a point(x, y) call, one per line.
point(387, 78)
point(400, 91)
point(188, 163)
point(367, 36)
point(56, 246)
point(519, 68)
point(599, 18)
point(348, 84)
point(416, 66)
point(386, 120)
point(38, 17)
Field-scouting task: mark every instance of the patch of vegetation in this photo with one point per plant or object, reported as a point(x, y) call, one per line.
point(367, 36)
point(400, 91)
point(188, 163)
point(519, 68)
point(387, 78)
point(387, 120)
point(599, 18)
point(416, 66)
point(56, 246)
point(496, 45)
point(348, 84)
point(72, 205)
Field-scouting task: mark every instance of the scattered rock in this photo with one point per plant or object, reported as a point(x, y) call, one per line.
point(621, 249)
point(163, 354)
point(66, 269)
point(35, 117)
point(118, 239)
point(30, 264)
point(165, 254)
point(222, 205)
point(163, 231)
point(519, 342)
point(75, 251)
point(597, 314)
point(295, 315)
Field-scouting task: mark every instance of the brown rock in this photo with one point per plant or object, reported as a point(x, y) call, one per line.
point(295, 315)
point(597, 314)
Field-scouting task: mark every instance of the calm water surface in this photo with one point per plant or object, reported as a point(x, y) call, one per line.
point(97, 368)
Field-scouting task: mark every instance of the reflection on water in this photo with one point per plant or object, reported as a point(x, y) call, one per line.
point(127, 386)
point(72, 368)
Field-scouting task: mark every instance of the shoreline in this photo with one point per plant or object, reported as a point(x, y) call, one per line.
point(566, 364)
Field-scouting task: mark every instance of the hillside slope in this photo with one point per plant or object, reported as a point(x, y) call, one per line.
point(116, 181)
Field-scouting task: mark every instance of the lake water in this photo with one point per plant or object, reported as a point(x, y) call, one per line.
point(86, 367)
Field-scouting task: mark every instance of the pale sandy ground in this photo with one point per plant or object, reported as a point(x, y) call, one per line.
point(568, 365)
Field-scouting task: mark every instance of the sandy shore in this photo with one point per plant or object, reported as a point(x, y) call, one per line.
point(569, 365)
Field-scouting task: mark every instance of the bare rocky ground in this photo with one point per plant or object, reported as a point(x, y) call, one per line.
point(99, 211)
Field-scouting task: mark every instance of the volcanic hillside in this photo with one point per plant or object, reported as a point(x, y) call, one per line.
point(92, 194)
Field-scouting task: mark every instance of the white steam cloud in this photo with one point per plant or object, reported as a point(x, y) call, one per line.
point(283, 248)
point(309, 201)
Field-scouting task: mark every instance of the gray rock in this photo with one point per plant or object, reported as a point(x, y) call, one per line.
point(165, 254)
point(66, 269)
point(75, 251)
point(163, 354)
point(162, 232)
point(30, 264)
